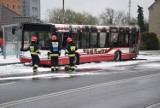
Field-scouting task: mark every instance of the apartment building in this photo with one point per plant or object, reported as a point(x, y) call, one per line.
point(13, 5)
point(154, 18)
point(30, 8)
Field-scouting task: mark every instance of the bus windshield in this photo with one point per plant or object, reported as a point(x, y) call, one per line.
point(43, 38)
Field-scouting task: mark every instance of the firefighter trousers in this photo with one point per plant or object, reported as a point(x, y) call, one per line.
point(54, 61)
point(71, 62)
point(35, 61)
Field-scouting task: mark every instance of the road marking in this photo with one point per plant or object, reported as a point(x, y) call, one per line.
point(65, 92)
point(7, 83)
point(152, 106)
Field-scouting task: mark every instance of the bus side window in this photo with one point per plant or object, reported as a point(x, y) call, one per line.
point(107, 40)
point(85, 40)
point(127, 39)
point(102, 40)
point(114, 40)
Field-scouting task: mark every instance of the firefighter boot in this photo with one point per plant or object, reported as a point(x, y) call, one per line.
point(52, 69)
point(72, 68)
point(34, 69)
point(56, 68)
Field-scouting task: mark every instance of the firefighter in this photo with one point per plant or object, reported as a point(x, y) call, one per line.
point(54, 53)
point(34, 51)
point(70, 50)
point(1, 45)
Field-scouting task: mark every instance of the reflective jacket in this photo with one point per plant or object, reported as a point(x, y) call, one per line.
point(33, 48)
point(54, 48)
point(1, 42)
point(71, 49)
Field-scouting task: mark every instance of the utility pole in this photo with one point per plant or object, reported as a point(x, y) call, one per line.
point(129, 13)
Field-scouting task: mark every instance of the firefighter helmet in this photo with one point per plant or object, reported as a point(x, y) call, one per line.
point(54, 37)
point(69, 39)
point(34, 39)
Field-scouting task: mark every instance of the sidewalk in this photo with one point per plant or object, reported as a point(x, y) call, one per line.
point(8, 60)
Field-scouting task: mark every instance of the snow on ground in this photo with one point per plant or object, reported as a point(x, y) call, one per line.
point(9, 59)
point(151, 56)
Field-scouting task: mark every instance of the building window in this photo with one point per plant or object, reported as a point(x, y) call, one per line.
point(13, 7)
point(33, 8)
point(7, 5)
point(18, 7)
point(36, 8)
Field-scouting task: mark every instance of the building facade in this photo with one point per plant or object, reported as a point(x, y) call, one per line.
point(30, 8)
point(6, 15)
point(13, 5)
point(154, 18)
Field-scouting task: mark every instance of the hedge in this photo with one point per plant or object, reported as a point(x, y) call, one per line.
point(149, 41)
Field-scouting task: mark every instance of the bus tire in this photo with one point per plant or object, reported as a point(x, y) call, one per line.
point(117, 56)
point(0, 50)
point(76, 59)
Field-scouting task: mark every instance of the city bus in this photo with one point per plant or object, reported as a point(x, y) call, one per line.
point(95, 43)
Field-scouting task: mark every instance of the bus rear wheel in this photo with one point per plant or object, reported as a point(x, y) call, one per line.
point(117, 56)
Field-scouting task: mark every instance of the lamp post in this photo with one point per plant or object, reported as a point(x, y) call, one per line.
point(129, 12)
point(63, 12)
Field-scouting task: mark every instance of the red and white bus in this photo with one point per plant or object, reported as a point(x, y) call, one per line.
point(95, 43)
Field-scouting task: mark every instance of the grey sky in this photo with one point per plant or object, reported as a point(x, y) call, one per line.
point(95, 7)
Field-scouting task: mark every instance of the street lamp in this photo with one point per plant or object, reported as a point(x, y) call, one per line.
point(63, 12)
point(129, 12)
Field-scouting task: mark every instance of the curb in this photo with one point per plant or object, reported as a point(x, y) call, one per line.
point(3, 64)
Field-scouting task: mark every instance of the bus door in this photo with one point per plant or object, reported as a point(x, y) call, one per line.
point(74, 34)
point(134, 40)
point(84, 39)
point(94, 37)
point(63, 39)
point(121, 37)
point(104, 38)
point(127, 36)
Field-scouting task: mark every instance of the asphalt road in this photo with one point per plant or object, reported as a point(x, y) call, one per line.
point(132, 88)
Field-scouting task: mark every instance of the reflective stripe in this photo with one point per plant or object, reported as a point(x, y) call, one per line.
point(34, 53)
point(53, 54)
point(54, 67)
point(36, 65)
point(71, 55)
point(73, 67)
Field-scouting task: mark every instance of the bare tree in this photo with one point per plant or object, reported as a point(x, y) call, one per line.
point(107, 16)
point(111, 16)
